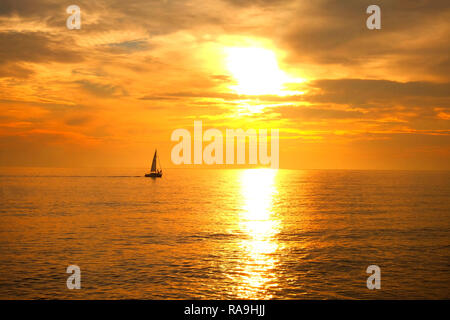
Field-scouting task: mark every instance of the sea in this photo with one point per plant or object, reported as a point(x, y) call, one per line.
point(224, 234)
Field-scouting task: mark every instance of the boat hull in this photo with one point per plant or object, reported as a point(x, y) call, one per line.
point(154, 175)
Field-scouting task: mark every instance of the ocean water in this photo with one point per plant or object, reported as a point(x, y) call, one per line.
point(224, 234)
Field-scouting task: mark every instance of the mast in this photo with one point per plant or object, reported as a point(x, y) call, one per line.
point(154, 163)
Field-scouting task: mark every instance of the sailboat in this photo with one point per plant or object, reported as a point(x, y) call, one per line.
point(154, 172)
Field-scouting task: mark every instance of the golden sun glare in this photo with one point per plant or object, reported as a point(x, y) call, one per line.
point(256, 71)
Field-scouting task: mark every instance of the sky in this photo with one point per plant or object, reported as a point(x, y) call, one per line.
point(341, 95)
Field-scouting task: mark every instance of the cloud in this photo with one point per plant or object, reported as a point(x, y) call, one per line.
point(27, 8)
point(334, 32)
point(157, 17)
point(35, 47)
point(129, 46)
point(363, 91)
point(100, 89)
point(261, 3)
point(189, 94)
point(316, 113)
point(14, 70)
point(78, 120)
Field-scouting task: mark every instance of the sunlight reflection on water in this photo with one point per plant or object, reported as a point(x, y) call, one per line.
point(224, 234)
point(259, 223)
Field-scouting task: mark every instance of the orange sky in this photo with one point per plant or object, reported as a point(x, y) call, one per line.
point(342, 96)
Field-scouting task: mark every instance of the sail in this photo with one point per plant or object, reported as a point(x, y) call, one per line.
point(154, 163)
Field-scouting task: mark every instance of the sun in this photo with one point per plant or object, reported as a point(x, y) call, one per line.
point(255, 70)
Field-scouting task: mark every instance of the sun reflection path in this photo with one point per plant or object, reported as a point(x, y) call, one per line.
point(259, 225)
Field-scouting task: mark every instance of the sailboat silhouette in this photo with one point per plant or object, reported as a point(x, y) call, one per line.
point(154, 172)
